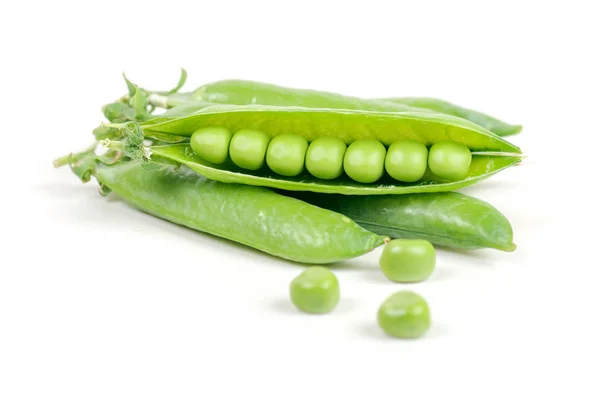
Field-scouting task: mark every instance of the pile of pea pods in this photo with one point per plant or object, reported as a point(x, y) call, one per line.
point(309, 176)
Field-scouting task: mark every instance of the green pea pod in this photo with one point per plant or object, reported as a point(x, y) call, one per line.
point(481, 168)
point(445, 219)
point(491, 153)
point(497, 126)
point(348, 125)
point(242, 92)
point(257, 217)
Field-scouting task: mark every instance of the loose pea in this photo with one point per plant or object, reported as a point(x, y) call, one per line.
point(211, 144)
point(316, 290)
point(325, 158)
point(407, 260)
point(450, 160)
point(404, 314)
point(363, 161)
point(247, 149)
point(285, 154)
point(406, 160)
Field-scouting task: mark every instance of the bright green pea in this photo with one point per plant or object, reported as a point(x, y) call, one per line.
point(404, 314)
point(407, 260)
point(450, 160)
point(211, 144)
point(316, 290)
point(285, 154)
point(247, 149)
point(363, 161)
point(406, 160)
point(325, 158)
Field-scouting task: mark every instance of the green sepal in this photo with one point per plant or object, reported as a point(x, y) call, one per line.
point(134, 141)
point(104, 132)
point(131, 87)
point(180, 83)
point(117, 112)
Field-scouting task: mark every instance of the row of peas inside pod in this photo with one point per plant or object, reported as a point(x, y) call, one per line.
point(328, 158)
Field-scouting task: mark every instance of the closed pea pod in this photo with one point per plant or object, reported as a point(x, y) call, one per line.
point(242, 92)
point(257, 217)
point(447, 219)
point(495, 125)
point(245, 92)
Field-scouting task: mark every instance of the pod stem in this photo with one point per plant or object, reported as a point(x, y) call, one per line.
point(71, 158)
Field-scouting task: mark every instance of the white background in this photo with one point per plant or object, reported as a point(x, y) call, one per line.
point(106, 310)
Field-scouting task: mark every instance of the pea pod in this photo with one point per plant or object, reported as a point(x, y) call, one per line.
point(447, 219)
point(257, 217)
point(491, 153)
point(243, 92)
point(349, 125)
point(497, 126)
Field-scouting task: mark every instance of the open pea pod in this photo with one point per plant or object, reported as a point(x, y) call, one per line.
point(482, 167)
point(349, 125)
point(491, 153)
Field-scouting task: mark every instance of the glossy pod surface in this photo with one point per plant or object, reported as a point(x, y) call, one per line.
point(253, 216)
point(497, 126)
point(481, 168)
point(492, 153)
point(244, 92)
point(446, 219)
point(348, 125)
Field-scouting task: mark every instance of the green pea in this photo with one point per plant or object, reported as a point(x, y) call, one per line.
point(211, 144)
point(285, 154)
point(404, 314)
point(247, 149)
point(363, 161)
point(406, 160)
point(450, 160)
point(407, 260)
point(316, 290)
point(325, 158)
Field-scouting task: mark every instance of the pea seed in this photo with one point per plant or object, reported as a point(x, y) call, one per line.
point(363, 161)
point(407, 260)
point(325, 158)
point(211, 144)
point(404, 314)
point(450, 160)
point(247, 149)
point(285, 154)
point(316, 290)
point(406, 160)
